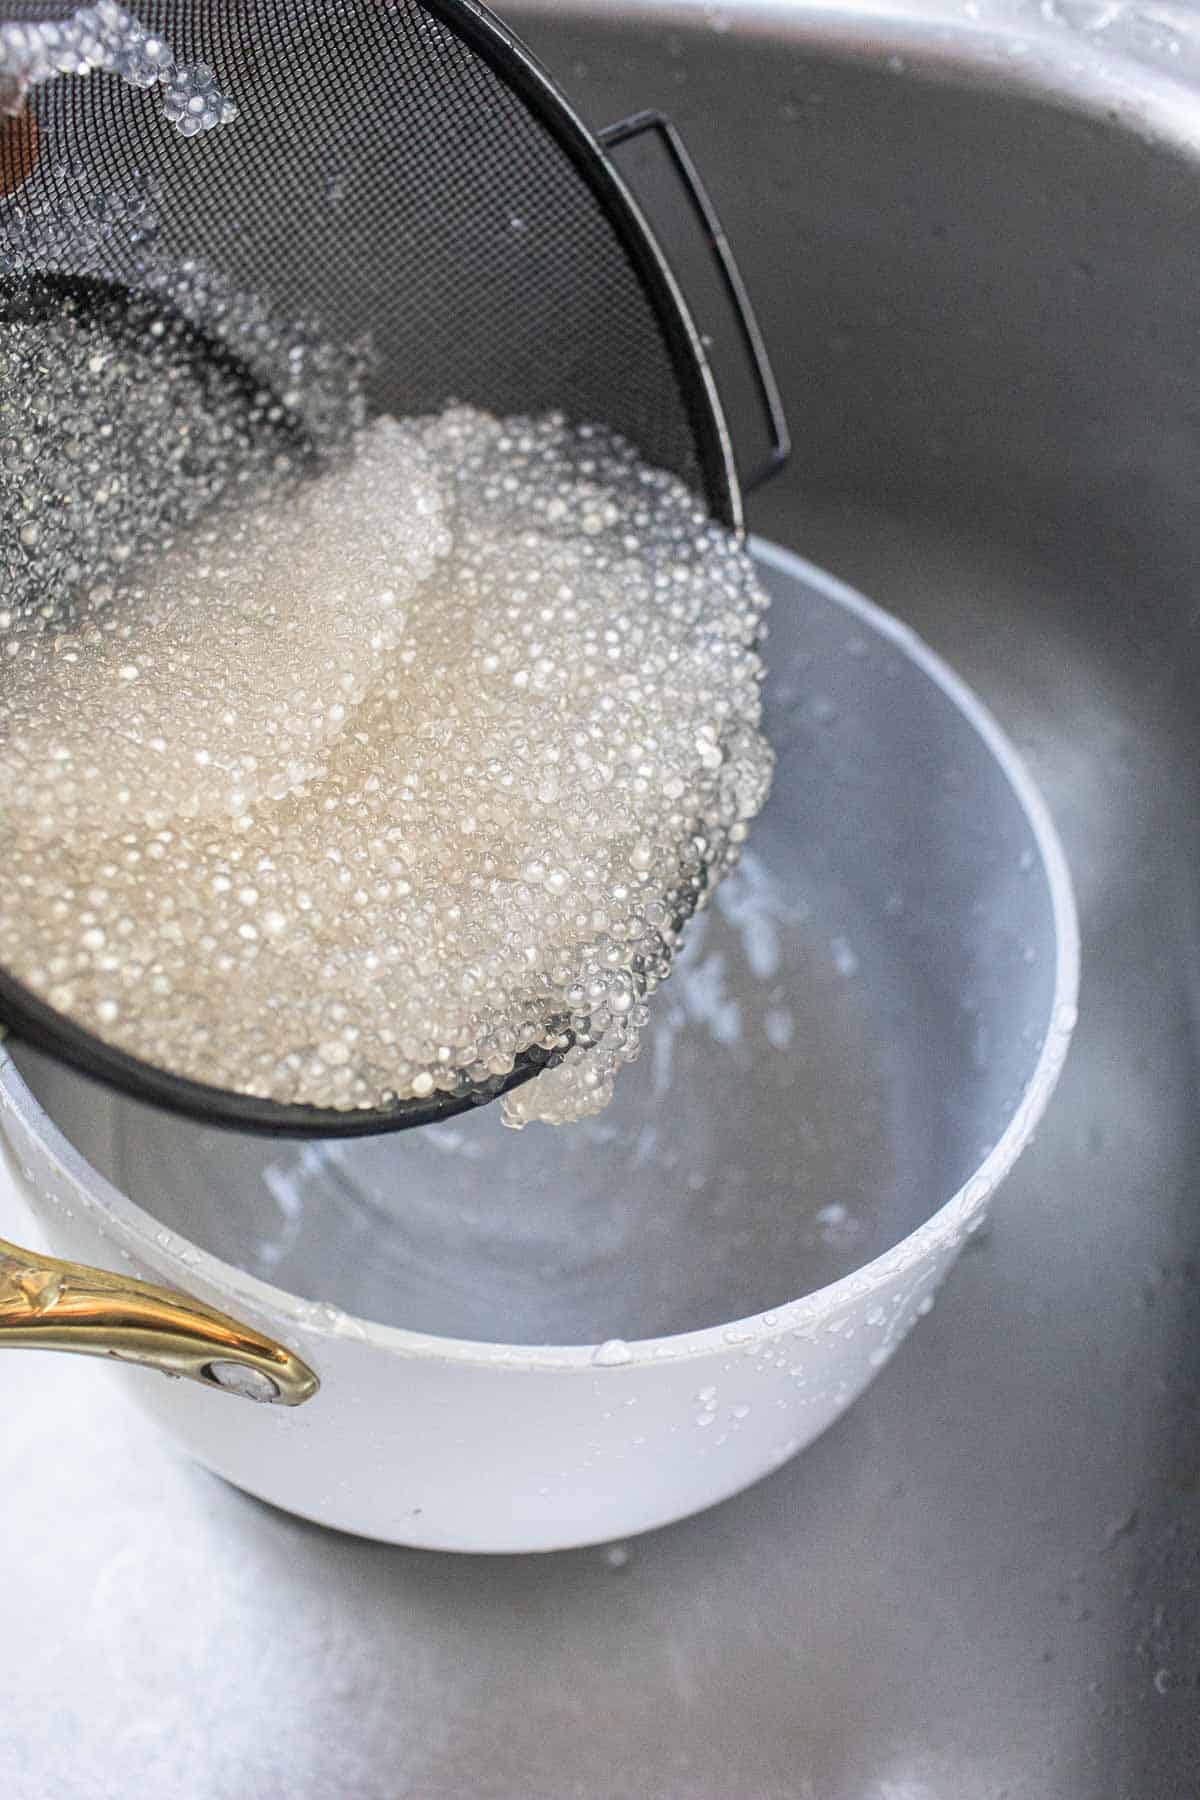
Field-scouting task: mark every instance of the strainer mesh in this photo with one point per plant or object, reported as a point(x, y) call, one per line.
point(384, 180)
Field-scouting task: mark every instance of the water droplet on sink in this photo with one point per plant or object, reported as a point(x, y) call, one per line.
point(612, 1353)
point(845, 961)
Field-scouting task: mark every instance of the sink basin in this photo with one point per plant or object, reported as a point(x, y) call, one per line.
point(971, 235)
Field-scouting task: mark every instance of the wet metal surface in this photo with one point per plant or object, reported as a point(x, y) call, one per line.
point(983, 1583)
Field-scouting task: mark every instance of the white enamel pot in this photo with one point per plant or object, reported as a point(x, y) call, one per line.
point(901, 798)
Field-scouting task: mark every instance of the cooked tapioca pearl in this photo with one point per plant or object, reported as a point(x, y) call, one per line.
point(359, 859)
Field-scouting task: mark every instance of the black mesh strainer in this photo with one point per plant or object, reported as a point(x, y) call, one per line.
point(404, 172)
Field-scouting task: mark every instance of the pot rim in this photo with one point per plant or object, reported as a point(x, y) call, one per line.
point(186, 1264)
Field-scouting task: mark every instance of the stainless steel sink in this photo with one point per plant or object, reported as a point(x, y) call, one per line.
point(972, 235)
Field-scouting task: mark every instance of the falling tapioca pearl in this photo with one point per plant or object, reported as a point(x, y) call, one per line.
point(104, 38)
point(367, 789)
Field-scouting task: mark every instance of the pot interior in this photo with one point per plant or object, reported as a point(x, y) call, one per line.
point(846, 1037)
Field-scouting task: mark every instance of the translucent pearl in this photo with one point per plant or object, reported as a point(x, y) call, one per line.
point(408, 766)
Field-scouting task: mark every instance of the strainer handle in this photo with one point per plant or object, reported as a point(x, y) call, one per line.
point(653, 161)
point(46, 1304)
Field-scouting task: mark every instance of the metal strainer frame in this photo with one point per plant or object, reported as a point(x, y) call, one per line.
point(666, 227)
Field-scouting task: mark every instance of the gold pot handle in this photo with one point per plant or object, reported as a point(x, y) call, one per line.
point(46, 1304)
